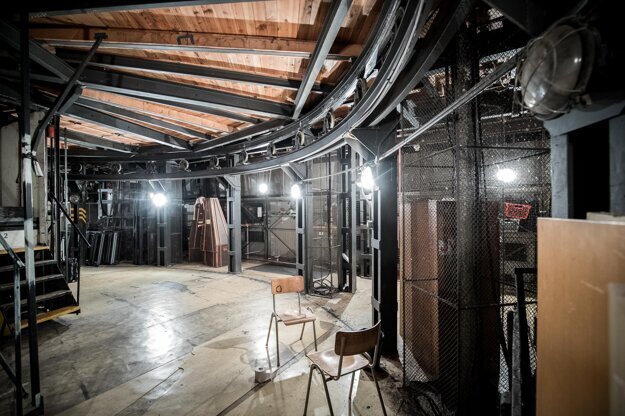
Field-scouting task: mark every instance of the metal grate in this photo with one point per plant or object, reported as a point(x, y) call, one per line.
point(459, 251)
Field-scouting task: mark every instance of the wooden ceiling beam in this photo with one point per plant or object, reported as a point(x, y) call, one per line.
point(82, 37)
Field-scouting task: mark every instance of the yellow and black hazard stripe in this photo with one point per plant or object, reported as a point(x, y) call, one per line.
point(82, 214)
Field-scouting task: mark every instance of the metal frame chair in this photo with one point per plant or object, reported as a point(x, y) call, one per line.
point(282, 285)
point(350, 354)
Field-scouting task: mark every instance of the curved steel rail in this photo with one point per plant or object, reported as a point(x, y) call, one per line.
point(262, 134)
point(399, 53)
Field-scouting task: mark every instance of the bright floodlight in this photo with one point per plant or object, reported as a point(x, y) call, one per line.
point(296, 192)
point(158, 199)
point(366, 178)
point(263, 188)
point(506, 175)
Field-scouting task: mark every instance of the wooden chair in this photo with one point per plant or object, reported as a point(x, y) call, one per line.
point(280, 286)
point(350, 354)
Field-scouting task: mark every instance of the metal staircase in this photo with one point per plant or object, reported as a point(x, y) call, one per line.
point(53, 295)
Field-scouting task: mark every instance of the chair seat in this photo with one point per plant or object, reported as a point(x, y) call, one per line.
point(328, 362)
point(294, 317)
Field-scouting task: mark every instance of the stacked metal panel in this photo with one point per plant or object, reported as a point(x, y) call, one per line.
point(208, 241)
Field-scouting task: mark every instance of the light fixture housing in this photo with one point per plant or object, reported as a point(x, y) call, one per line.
point(506, 175)
point(296, 191)
point(159, 199)
point(263, 188)
point(367, 181)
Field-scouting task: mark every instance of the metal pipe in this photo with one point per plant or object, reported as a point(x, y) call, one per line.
point(60, 99)
point(465, 98)
point(80, 233)
point(27, 195)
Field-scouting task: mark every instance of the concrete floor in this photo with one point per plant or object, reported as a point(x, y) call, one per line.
point(185, 340)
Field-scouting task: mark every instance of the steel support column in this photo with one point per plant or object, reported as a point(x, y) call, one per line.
point(233, 203)
point(617, 166)
point(347, 255)
point(27, 201)
point(561, 177)
point(384, 256)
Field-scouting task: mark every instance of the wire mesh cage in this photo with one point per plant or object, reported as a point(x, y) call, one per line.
point(323, 253)
point(471, 189)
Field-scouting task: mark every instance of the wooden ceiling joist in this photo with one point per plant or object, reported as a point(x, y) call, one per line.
point(161, 40)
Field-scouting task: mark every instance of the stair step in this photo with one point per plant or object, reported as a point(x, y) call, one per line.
point(42, 298)
point(37, 264)
point(46, 316)
point(40, 279)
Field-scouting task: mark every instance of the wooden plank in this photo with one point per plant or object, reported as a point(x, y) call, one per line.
point(576, 261)
point(48, 316)
point(21, 249)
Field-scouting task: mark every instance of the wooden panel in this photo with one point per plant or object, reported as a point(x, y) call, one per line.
point(576, 261)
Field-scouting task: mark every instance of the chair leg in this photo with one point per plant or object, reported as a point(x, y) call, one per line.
point(377, 386)
point(269, 332)
point(312, 368)
point(325, 386)
point(349, 397)
point(302, 334)
point(277, 343)
point(315, 334)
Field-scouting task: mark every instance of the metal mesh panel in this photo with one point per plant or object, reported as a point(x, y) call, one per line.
point(471, 189)
point(268, 220)
point(324, 252)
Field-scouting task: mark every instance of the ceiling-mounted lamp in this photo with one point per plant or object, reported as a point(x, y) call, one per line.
point(296, 191)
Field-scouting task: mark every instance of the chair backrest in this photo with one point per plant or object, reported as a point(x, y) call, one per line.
point(280, 285)
point(357, 342)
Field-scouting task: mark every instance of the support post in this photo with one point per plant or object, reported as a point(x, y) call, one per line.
point(384, 253)
point(561, 177)
point(617, 166)
point(347, 252)
point(27, 195)
point(233, 203)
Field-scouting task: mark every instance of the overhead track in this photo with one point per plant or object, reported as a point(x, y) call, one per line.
point(448, 20)
point(399, 51)
point(332, 24)
point(341, 92)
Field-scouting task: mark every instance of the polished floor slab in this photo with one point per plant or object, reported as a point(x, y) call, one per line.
point(185, 340)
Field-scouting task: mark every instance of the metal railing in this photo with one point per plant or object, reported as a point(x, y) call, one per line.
point(15, 376)
point(82, 236)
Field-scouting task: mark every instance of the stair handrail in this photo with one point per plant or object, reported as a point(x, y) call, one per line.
point(14, 257)
point(74, 226)
point(15, 375)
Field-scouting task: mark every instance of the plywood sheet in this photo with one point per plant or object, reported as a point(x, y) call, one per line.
point(576, 261)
